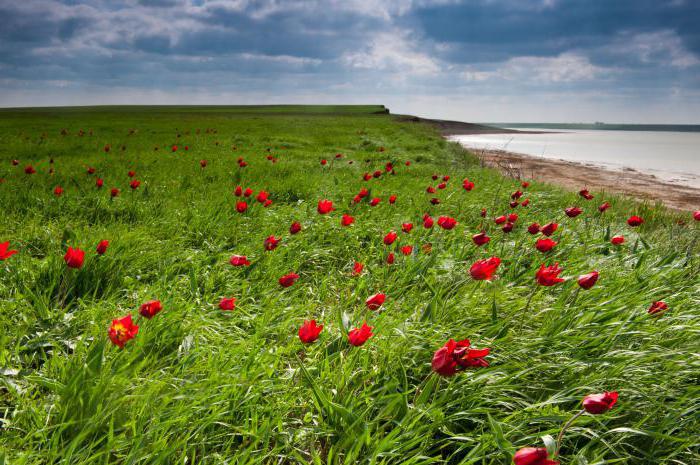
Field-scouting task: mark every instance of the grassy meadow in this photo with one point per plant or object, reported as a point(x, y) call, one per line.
point(200, 385)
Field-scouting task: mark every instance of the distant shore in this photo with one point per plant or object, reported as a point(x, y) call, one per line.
point(570, 174)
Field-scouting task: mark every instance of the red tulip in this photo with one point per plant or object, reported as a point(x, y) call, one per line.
point(525, 202)
point(29, 169)
point(74, 258)
point(267, 203)
point(587, 280)
point(634, 221)
point(241, 206)
point(338, 155)
point(483, 213)
point(4, 253)
point(549, 229)
point(122, 331)
point(534, 228)
point(696, 215)
point(324, 207)
point(599, 403)
point(375, 301)
point(102, 247)
point(357, 269)
point(359, 336)
point(533, 456)
point(99, 183)
point(435, 201)
point(445, 178)
point(545, 245)
point(604, 206)
point(513, 217)
point(617, 240)
point(114, 192)
point(367, 176)
point(242, 164)
point(392, 199)
point(135, 184)
point(442, 185)
point(238, 191)
point(657, 307)
point(446, 222)
point(514, 204)
point(435, 176)
point(525, 184)
point(203, 163)
point(131, 174)
point(454, 356)
point(357, 199)
point(150, 309)
point(573, 212)
point(484, 269)
point(391, 258)
point(262, 196)
point(480, 238)
point(239, 260)
point(516, 195)
point(174, 148)
point(406, 227)
point(500, 220)
point(324, 162)
point(375, 201)
point(427, 222)
point(363, 193)
point(309, 332)
point(376, 174)
point(295, 228)
point(390, 238)
point(467, 185)
point(271, 243)
point(430, 190)
point(58, 191)
point(585, 194)
point(346, 220)
point(15, 162)
point(227, 303)
point(408, 163)
point(508, 227)
point(549, 276)
point(288, 279)
point(407, 249)
point(247, 192)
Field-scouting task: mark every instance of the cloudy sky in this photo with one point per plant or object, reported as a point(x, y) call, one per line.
point(473, 60)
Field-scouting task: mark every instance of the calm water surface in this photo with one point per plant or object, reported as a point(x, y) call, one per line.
point(672, 156)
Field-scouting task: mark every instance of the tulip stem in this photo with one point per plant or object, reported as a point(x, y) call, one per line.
point(563, 430)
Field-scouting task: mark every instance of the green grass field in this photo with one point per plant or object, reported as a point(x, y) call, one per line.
point(198, 385)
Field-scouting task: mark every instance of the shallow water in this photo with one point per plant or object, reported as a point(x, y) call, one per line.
point(672, 156)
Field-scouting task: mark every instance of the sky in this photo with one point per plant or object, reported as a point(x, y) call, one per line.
point(633, 61)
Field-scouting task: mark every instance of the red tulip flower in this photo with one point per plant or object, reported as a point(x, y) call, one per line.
point(406, 227)
point(549, 229)
point(430, 190)
point(480, 238)
point(357, 268)
point(4, 253)
point(573, 212)
point(227, 303)
point(99, 182)
point(514, 204)
point(533, 456)
point(599, 403)
point(534, 228)
point(455, 356)
point(657, 307)
point(525, 184)
point(545, 245)
point(407, 249)
point(102, 247)
point(446, 222)
point(347, 220)
point(442, 185)
point(391, 258)
point(288, 279)
point(150, 309)
point(483, 213)
point(508, 227)
point(29, 169)
point(324, 162)
point(525, 202)
point(392, 199)
point(435, 176)
point(513, 217)
point(131, 174)
point(375, 301)
point(549, 276)
point(15, 162)
point(427, 222)
point(634, 221)
point(375, 201)
point(309, 331)
point(617, 240)
point(238, 191)
point(585, 194)
point(239, 260)
point(122, 331)
point(135, 184)
point(483, 270)
point(363, 193)
point(604, 206)
point(324, 207)
point(295, 228)
point(241, 206)
point(696, 215)
point(588, 280)
point(359, 336)
point(467, 185)
point(247, 192)
point(74, 258)
point(390, 238)
point(500, 220)
point(203, 163)
point(262, 196)
point(58, 191)
point(114, 192)
point(516, 195)
point(271, 243)
point(435, 201)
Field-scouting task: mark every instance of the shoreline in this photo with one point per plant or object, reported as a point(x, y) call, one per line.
point(575, 176)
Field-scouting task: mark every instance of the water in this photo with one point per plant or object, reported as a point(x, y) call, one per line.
point(671, 156)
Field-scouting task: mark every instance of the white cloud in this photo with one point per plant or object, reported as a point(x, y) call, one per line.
point(660, 47)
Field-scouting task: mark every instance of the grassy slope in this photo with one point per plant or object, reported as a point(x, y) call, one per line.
point(201, 386)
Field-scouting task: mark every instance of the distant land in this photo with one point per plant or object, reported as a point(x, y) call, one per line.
point(602, 126)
